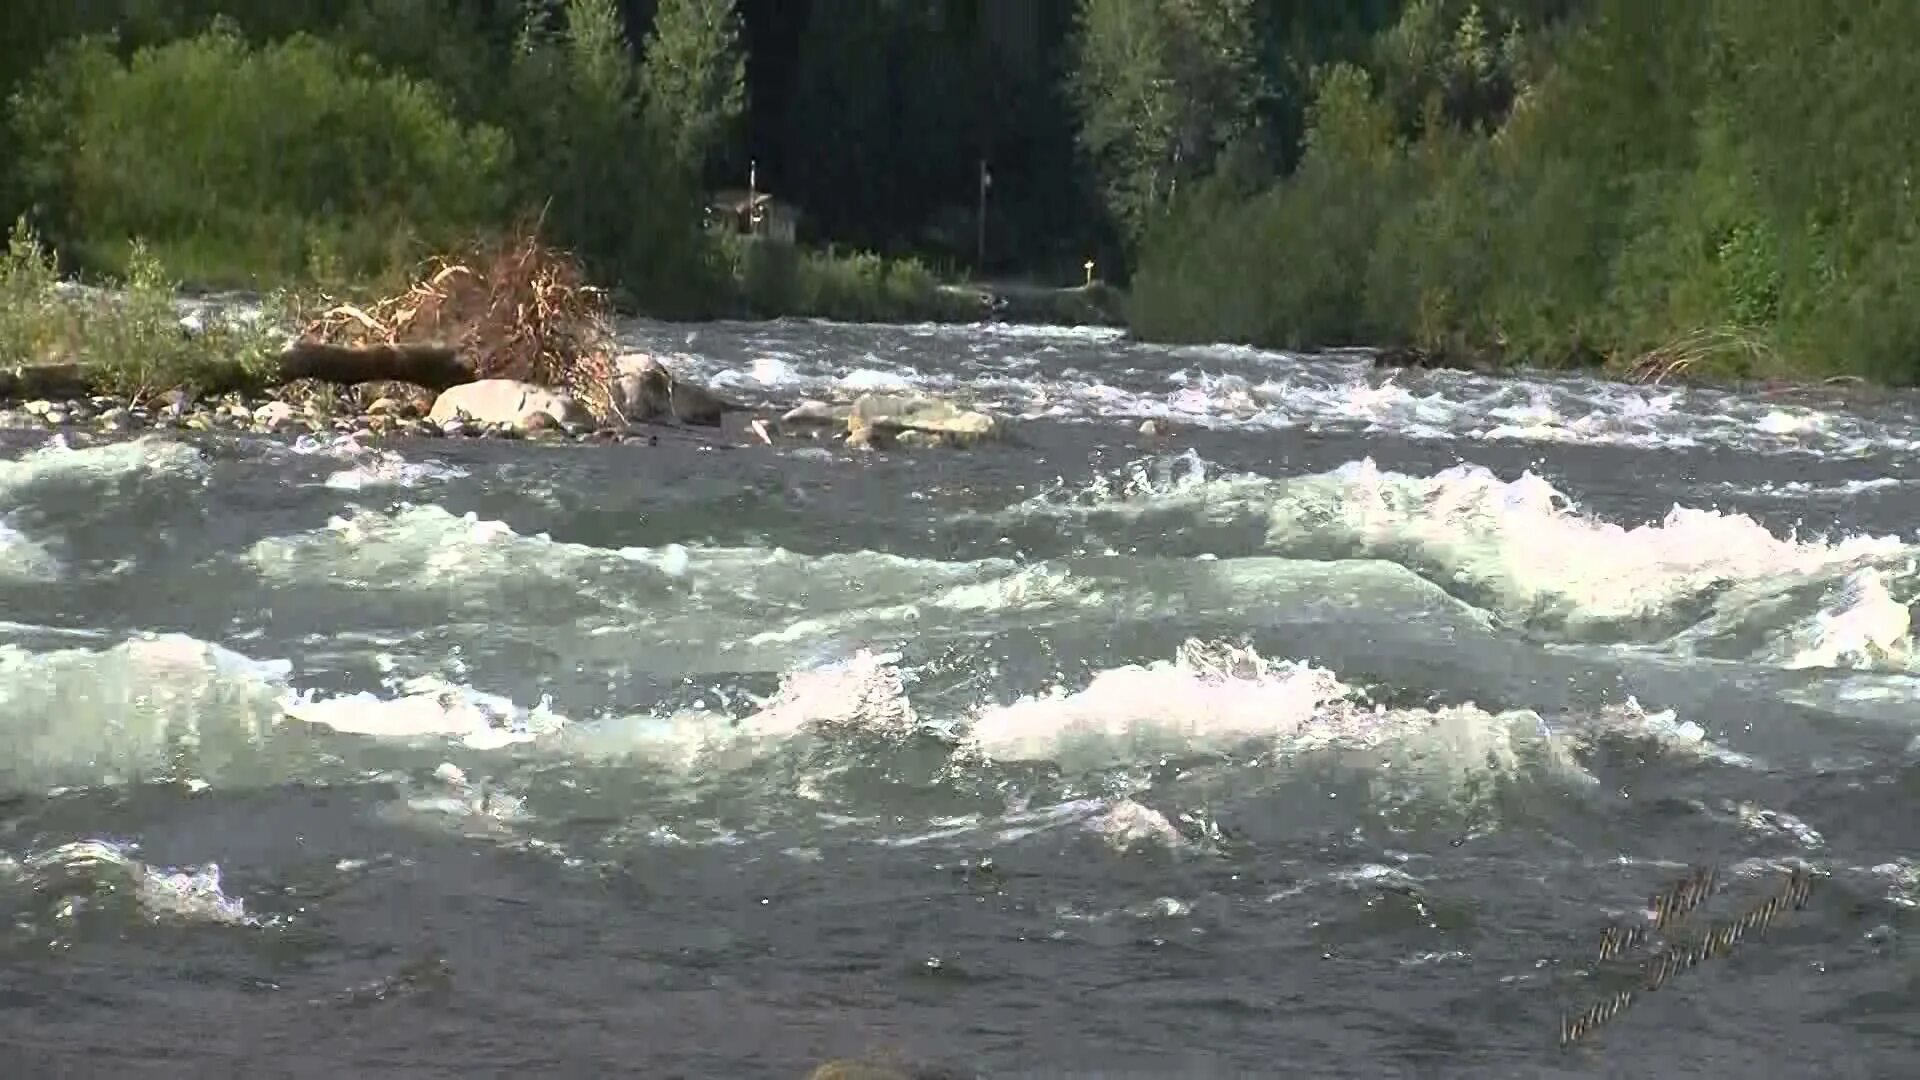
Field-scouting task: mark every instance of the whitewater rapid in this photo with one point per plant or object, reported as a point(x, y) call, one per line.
point(1339, 715)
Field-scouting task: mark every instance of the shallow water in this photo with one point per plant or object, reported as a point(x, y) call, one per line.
point(1324, 737)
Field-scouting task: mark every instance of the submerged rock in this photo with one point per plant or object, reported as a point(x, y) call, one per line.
point(813, 413)
point(853, 1069)
point(907, 420)
point(917, 419)
point(505, 403)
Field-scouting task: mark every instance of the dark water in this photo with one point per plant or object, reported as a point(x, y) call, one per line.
point(1322, 738)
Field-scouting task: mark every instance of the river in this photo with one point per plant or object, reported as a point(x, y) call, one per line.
point(1324, 735)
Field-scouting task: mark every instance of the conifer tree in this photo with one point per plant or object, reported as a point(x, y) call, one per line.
point(1163, 87)
point(694, 78)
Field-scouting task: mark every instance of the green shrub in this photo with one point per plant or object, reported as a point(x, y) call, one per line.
point(127, 337)
point(1721, 188)
point(244, 165)
point(774, 279)
point(1288, 267)
point(601, 173)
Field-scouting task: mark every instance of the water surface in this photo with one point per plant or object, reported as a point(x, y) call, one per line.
point(1323, 737)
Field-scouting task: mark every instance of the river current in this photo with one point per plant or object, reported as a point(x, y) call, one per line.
point(1326, 734)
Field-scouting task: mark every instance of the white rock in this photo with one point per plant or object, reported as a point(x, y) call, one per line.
point(918, 412)
point(506, 401)
point(273, 415)
point(815, 412)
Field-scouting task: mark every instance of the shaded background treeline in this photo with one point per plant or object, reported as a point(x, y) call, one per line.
point(872, 116)
point(1725, 184)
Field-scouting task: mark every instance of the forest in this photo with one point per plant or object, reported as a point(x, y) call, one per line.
point(1719, 187)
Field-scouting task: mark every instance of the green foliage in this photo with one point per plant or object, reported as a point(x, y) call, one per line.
point(247, 165)
point(1163, 87)
point(1721, 188)
point(127, 338)
point(30, 329)
point(780, 279)
point(1214, 271)
point(694, 78)
point(602, 176)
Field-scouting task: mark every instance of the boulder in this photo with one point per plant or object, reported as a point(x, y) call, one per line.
point(812, 413)
point(888, 415)
point(273, 415)
point(644, 389)
point(857, 1070)
point(505, 401)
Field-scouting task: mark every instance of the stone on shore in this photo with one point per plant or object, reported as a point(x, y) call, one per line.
point(274, 416)
point(506, 403)
point(645, 390)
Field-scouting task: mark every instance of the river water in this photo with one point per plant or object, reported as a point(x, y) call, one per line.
point(1324, 736)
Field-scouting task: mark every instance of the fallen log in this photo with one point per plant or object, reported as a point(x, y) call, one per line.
point(30, 381)
point(435, 367)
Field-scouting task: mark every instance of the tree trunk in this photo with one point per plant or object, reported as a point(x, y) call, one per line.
point(435, 367)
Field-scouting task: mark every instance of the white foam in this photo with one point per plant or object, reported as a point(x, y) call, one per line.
point(76, 871)
point(59, 465)
point(1527, 541)
point(742, 608)
point(142, 708)
point(1097, 374)
point(429, 707)
point(423, 548)
point(1199, 700)
point(1525, 550)
point(865, 692)
point(1215, 697)
point(1864, 627)
point(170, 706)
point(22, 559)
point(371, 467)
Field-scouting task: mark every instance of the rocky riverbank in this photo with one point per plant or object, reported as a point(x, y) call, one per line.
point(503, 409)
point(238, 414)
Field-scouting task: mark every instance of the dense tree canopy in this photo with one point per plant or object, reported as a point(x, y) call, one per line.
point(1728, 181)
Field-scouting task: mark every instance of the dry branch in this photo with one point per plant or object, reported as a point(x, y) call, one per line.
point(507, 309)
point(1676, 358)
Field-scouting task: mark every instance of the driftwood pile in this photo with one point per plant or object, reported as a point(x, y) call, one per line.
point(511, 308)
point(507, 309)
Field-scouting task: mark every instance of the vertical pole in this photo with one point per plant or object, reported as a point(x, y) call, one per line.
point(753, 197)
point(980, 242)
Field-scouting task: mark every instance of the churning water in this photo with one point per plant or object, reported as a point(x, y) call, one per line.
point(1326, 737)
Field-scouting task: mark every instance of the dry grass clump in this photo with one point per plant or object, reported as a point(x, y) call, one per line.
point(1717, 352)
point(513, 308)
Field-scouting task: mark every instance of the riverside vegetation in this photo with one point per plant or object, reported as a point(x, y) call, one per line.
point(1718, 189)
point(506, 341)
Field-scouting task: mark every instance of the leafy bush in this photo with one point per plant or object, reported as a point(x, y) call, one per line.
point(1724, 188)
point(126, 338)
point(241, 164)
point(773, 279)
point(1287, 267)
point(609, 186)
point(863, 287)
